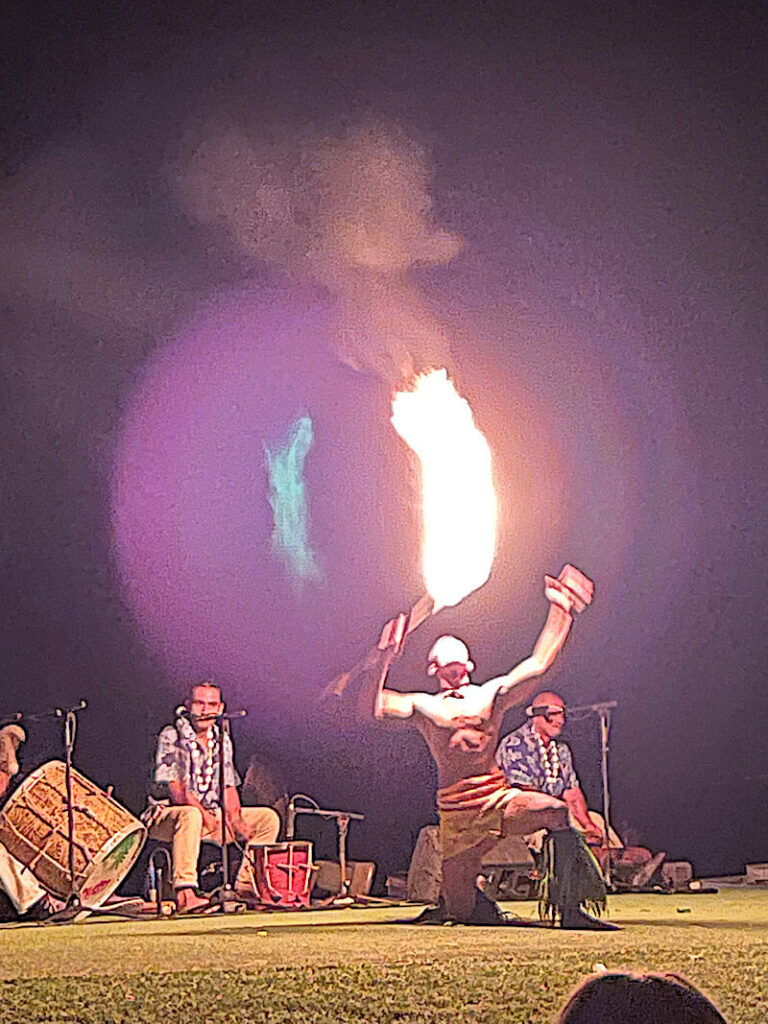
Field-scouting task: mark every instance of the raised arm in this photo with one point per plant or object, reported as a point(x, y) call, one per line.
point(569, 594)
point(374, 695)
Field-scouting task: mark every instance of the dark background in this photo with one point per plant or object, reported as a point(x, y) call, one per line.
point(606, 166)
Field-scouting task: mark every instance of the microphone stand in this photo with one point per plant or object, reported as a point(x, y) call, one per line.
point(225, 895)
point(604, 712)
point(70, 729)
point(73, 909)
point(73, 904)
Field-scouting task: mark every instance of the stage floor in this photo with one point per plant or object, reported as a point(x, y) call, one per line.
point(360, 964)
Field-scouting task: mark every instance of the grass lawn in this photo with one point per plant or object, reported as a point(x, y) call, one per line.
point(358, 965)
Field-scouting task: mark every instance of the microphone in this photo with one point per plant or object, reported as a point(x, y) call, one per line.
point(182, 711)
point(598, 708)
point(62, 712)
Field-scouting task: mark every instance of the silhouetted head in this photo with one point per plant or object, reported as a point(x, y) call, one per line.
point(638, 999)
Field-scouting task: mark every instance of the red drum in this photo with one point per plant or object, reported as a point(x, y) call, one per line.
point(282, 873)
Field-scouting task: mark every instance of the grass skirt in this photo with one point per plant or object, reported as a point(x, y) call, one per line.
point(570, 877)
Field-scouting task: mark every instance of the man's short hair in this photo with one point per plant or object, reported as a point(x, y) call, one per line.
point(209, 683)
point(545, 703)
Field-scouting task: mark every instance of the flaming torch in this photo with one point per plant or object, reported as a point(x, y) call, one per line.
point(458, 498)
point(459, 502)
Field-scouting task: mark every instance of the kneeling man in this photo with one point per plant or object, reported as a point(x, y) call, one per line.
point(461, 725)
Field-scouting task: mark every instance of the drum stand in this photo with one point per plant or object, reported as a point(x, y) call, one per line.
point(342, 819)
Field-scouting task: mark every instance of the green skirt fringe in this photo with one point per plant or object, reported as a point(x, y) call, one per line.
point(570, 877)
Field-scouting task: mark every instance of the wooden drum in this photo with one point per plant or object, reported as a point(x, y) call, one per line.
point(34, 828)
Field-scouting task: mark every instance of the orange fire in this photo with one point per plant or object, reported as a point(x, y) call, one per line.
point(459, 501)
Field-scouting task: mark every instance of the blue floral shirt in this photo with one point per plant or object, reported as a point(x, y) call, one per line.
point(519, 757)
point(181, 758)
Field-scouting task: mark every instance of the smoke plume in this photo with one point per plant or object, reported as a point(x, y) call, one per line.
point(353, 213)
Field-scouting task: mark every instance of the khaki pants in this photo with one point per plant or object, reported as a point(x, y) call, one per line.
point(182, 827)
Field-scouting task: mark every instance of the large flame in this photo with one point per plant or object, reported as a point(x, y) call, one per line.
point(457, 486)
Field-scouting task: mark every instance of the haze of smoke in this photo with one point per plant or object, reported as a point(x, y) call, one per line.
point(353, 212)
point(62, 221)
point(288, 498)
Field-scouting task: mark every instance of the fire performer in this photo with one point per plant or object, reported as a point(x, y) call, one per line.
point(461, 725)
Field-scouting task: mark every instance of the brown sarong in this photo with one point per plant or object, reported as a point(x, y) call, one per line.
point(472, 812)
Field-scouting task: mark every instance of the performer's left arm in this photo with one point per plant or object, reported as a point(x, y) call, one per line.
point(571, 592)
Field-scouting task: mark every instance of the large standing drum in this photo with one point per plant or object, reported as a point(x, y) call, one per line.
point(282, 873)
point(34, 828)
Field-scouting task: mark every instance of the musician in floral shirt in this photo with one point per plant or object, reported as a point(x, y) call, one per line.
point(184, 801)
point(532, 758)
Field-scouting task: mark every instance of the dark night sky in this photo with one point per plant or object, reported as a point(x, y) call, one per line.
point(605, 165)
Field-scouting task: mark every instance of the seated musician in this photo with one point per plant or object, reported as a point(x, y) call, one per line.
point(184, 802)
point(30, 900)
point(532, 757)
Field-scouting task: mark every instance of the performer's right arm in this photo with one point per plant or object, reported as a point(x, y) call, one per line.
point(390, 703)
point(374, 695)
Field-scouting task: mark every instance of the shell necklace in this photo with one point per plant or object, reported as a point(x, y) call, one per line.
point(550, 758)
point(204, 767)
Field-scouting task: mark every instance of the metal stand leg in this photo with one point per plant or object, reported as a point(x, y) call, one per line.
point(343, 822)
point(225, 896)
point(159, 869)
point(70, 730)
point(605, 726)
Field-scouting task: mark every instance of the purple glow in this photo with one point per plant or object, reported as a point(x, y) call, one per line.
point(190, 491)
